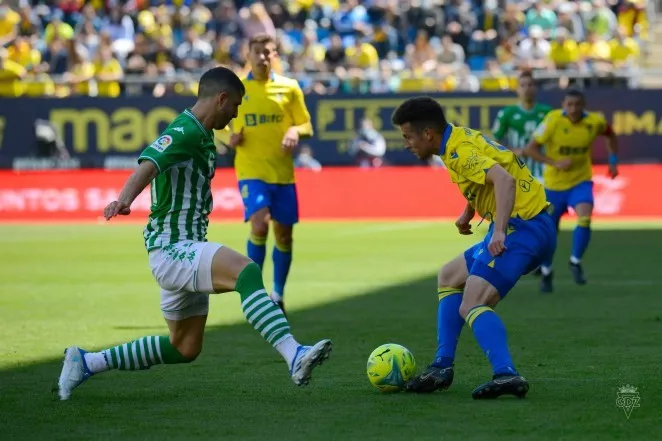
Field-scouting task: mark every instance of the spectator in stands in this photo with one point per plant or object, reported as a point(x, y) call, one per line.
point(384, 39)
point(633, 19)
point(80, 70)
point(495, 79)
point(386, 81)
point(564, 51)
point(450, 54)
point(29, 25)
point(461, 21)
point(465, 80)
point(511, 23)
point(306, 160)
point(601, 20)
point(255, 20)
point(56, 57)
point(534, 51)
point(335, 55)
point(569, 20)
point(11, 74)
point(9, 20)
point(624, 50)
point(362, 54)
point(108, 73)
point(312, 53)
point(420, 56)
point(194, 53)
point(350, 18)
point(369, 146)
point(58, 27)
point(595, 53)
point(505, 55)
point(225, 20)
point(543, 17)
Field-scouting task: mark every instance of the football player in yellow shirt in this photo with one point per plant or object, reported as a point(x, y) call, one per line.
point(272, 118)
point(568, 135)
point(499, 187)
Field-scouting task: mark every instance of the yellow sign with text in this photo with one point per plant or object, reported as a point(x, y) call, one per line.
point(126, 130)
point(337, 120)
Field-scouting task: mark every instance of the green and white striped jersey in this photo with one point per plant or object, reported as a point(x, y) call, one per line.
point(514, 126)
point(185, 156)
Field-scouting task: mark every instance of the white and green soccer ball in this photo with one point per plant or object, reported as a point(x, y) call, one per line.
point(390, 367)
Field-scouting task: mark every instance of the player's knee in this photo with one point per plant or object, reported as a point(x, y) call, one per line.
point(259, 228)
point(478, 292)
point(188, 348)
point(284, 239)
point(450, 276)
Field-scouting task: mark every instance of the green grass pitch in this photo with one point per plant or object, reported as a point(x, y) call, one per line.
point(361, 284)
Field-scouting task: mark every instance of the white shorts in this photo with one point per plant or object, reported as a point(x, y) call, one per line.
point(183, 271)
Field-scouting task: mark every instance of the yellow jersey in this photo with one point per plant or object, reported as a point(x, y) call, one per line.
point(564, 139)
point(468, 155)
point(268, 110)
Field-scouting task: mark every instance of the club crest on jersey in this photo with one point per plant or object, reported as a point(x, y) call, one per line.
point(162, 143)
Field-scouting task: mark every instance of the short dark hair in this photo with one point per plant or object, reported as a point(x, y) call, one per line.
point(261, 38)
point(217, 80)
point(421, 112)
point(526, 74)
point(575, 93)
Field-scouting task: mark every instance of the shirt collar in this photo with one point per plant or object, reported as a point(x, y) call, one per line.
point(272, 76)
point(444, 139)
point(584, 115)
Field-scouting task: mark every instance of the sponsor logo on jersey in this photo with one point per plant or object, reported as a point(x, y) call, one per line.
point(162, 143)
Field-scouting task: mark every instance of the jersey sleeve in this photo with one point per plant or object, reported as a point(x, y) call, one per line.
point(545, 129)
point(298, 109)
point(469, 162)
point(500, 125)
point(169, 149)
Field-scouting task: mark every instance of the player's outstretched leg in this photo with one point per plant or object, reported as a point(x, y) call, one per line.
point(282, 257)
point(581, 237)
point(231, 269)
point(79, 365)
point(490, 333)
point(439, 375)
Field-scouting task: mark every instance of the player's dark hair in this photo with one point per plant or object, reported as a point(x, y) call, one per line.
point(421, 113)
point(217, 80)
point(575, 93)
point(260, 39)
point(526, 74)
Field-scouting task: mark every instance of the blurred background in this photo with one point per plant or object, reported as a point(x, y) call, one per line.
point(87, 84)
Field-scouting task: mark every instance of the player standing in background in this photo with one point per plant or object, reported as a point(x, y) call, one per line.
point(180, 165)
point(497, 185)
point(514, 125)
point(568, 135)
point(271, 121)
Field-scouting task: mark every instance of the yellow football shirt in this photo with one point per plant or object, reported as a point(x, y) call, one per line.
point(268, 110)
point(565, 53)
point(109, 89)
point(469, 155)
point(8, 23)
point(564, 139)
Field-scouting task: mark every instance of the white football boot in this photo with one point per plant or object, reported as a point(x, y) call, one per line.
point(74, 372)
point(306, 359)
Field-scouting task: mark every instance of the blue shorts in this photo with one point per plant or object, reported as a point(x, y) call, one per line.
point(528, 244)
point(561, 200)
point(281, 199)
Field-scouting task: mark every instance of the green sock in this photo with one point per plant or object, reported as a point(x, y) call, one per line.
point(143, 353)
point(263, 314)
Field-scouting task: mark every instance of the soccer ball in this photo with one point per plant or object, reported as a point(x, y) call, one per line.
point(390, 367)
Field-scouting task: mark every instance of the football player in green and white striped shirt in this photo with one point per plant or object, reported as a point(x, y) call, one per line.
point(514, 125)
point(180, 165)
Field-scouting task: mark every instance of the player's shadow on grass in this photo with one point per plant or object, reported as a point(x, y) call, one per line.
point(238, 369)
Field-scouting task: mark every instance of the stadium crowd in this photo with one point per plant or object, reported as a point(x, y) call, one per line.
point(77, 47)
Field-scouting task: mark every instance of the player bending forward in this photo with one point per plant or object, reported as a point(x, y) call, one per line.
point(497, 185)
point(180, 166)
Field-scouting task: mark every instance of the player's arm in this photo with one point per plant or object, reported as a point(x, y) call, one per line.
point(612, 148)
point(470, 163)
point(144, 174)
point(303, 127)
point(463, 223)
point(504, 193)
